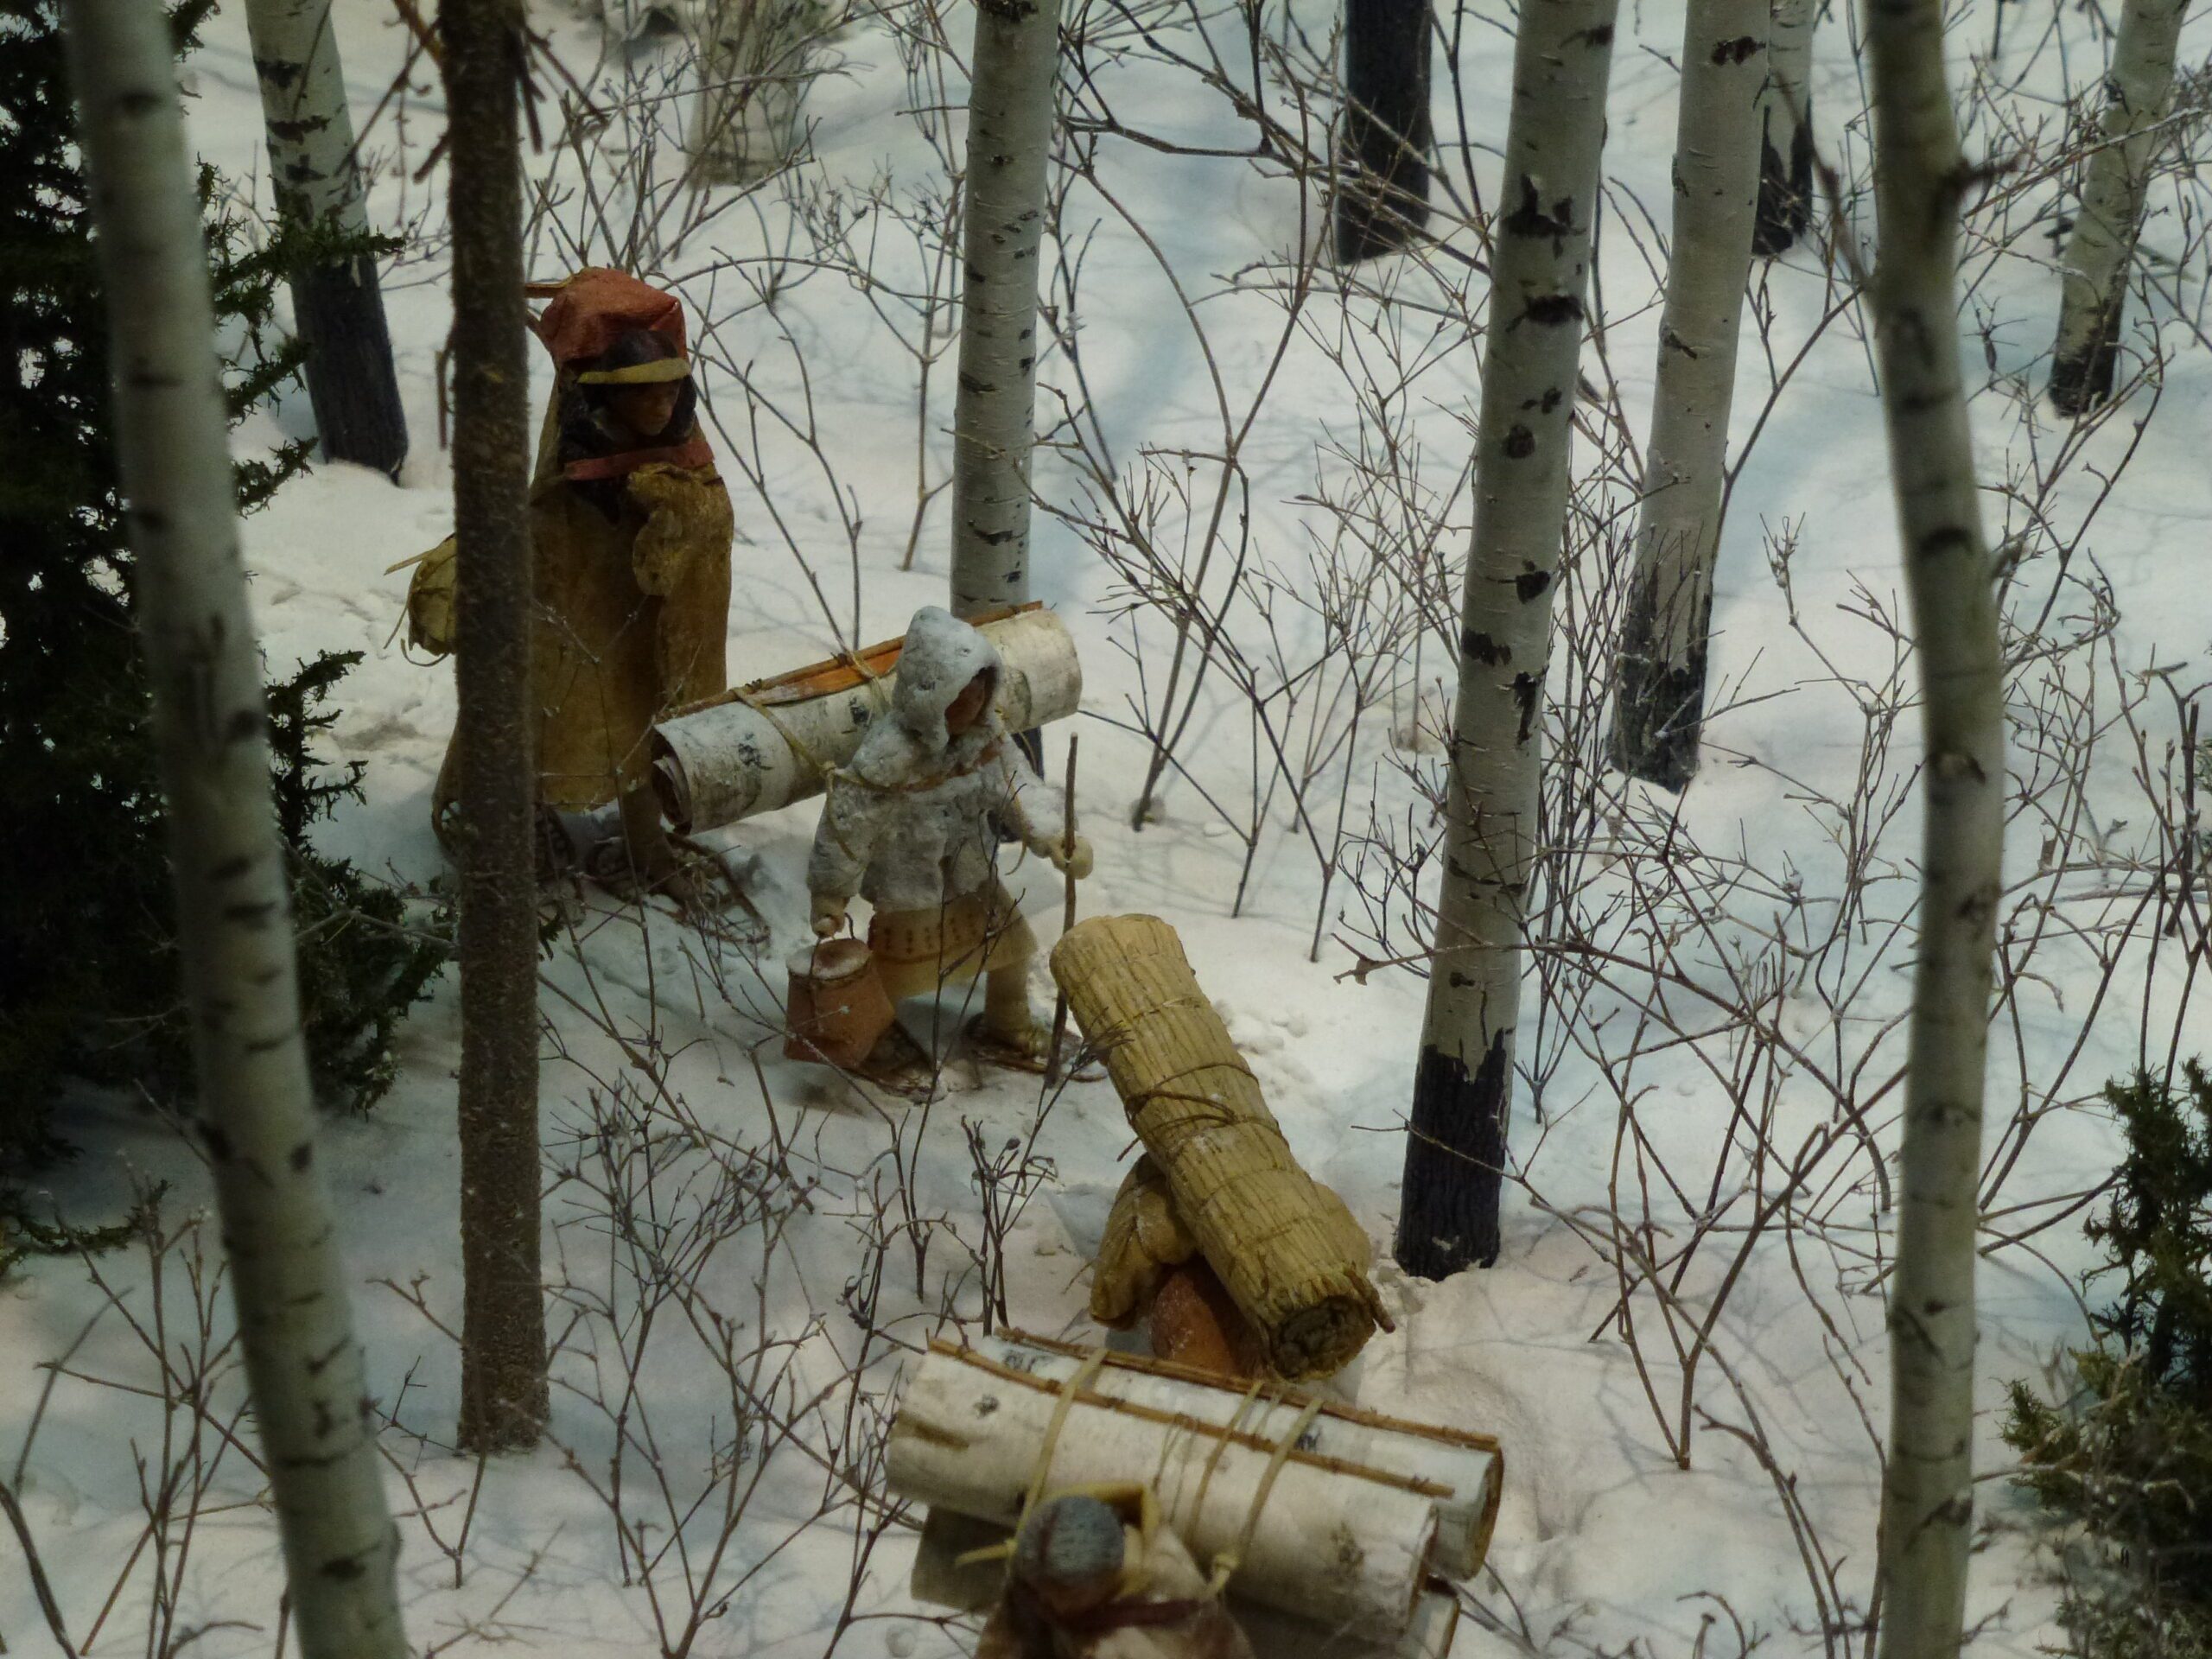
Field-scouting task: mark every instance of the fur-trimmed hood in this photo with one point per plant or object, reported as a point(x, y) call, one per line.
point(915, 819)
point(941, 656)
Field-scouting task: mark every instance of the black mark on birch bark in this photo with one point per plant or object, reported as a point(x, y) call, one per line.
point(1481, 648)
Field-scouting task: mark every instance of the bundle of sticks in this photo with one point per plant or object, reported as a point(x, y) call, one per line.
point(1218, 1182)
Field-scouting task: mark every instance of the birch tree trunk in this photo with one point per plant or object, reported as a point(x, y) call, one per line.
point(311, 1397)
point(1659, 673)
point(1010, 150)
point(1928, 1491)
point(503, 1388)
point(1455, 1153)
point(2102, 244)
point(317, 178)
point(1786, 129)
point(1382, 166)
point(751, 57)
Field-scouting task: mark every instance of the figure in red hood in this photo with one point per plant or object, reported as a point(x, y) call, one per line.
point(630, 534)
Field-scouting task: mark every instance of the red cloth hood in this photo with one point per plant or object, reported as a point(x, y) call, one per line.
point(588, 312)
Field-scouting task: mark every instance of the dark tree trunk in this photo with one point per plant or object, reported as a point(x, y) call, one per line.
point(340, 312)
point(503, 1388)
point(1383, 189)
point(2082, 380)
point(1455, 1162)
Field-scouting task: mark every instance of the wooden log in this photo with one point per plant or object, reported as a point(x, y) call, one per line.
point(1467, 1467)
point(1282, 1243)
point(1331, 1541)
point(1194, 1323)
point(770, 743)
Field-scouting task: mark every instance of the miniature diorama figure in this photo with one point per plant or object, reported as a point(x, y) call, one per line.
point(913, 824)
point(1085, 1583)
point(1238, 1259)
point(630, 533)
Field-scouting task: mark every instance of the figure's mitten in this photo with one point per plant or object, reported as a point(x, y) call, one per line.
point(1144, 1237)
point(686, 510)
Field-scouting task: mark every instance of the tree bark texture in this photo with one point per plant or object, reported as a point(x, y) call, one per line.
point(1927, 1488)
point(1786, 129)
point(1659, 684)
point(751, 57)
point(1455, 1154)
point(1382, 166)
point(236, 956)
point(503, 1334)
point(317, 175)
point(2102, 243)
point(993, 418)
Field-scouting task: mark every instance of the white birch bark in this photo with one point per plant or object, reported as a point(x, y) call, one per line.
point(1928, 1489)
point(1338, 1543)
point(752, 65)
point(1455, 1153)
point(1471, 1464)
point(1659, 674)
point(1786, 128)
point(315, 173)
point(236, 959)
point(762, 747)
point(1002, 227)
point(2102, 244)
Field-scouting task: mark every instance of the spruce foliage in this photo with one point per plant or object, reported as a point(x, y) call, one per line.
point(2130, 1456)
point(87, 959)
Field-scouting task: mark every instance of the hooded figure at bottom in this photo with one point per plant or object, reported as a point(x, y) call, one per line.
point(914, 824)
point(1087, 1580)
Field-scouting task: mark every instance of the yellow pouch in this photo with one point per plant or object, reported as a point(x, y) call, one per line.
point(430, 600)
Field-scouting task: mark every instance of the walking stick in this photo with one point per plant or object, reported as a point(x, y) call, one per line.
point(1067, 918)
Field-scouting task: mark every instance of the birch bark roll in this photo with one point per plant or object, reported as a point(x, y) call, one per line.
point(941, 1575)
point(1331, 1542)
point(1275, 1238)
point(764, 747)
point(1469, 1465)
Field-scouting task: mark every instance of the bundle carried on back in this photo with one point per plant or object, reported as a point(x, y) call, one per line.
point(1283, 1247)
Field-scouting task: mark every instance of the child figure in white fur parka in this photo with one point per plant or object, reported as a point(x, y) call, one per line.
point(913, 825)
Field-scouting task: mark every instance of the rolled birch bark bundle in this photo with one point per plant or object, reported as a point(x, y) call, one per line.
point(1331, 1541)
point(1283, 1245)
point(770, 743)
point(1467, 1468)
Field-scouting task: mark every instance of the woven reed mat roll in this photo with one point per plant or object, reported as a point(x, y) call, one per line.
point(1278, 1241)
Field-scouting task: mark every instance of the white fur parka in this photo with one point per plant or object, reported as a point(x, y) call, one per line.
point(914, 819)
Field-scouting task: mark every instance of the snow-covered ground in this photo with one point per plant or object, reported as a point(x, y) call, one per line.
point(816, 1235)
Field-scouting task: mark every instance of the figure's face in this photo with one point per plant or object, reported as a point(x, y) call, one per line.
point(968, 707)
point(646, 409)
